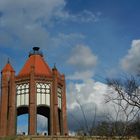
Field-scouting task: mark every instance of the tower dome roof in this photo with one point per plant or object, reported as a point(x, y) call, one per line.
point(8, 67)
point(37, 61)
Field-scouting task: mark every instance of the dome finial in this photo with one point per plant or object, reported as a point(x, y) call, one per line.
point(8, 61)
point(36, 48)
point(35, 51)
point(54, 67)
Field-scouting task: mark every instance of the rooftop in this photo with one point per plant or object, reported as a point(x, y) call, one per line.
point(36, 61)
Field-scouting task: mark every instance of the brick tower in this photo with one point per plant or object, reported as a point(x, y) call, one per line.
point(37, 89)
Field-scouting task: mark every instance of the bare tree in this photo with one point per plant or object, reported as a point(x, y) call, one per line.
point(125, 95)
point(127, 90)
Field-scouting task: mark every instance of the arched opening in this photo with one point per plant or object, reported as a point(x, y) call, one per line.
point(22, 120)
point(43, 120)
point(42, 125)
point(59, 119)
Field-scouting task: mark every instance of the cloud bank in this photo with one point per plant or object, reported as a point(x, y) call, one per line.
point(26, 23)
point(131, 62)
point(82, 57)
point(91, 96)
point(83, 60)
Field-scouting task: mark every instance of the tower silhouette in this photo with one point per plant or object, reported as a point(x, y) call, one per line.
point(37, 89)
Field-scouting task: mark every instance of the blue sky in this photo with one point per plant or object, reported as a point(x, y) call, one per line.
point(107, 28)
point(88, 40)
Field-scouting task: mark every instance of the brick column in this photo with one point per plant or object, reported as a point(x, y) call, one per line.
point(32, 104)
point(51, 124)
point(56, 130)
point(64, 108)
point(12, 106)
point(4, 103)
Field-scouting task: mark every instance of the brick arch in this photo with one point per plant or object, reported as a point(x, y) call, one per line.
point(22, 110)
point(44, 110)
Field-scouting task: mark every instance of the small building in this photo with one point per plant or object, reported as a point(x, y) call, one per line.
point(36, 89)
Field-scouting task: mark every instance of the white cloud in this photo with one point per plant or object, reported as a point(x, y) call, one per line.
point(85, 16)
point(25, 23)
point(82, 58)
point(91, 96)
point(33, 10)
point(88, 92)
point(131, 62)
point(84, 62)
point(42, 123)
point(66, 39)
point(81, 75)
